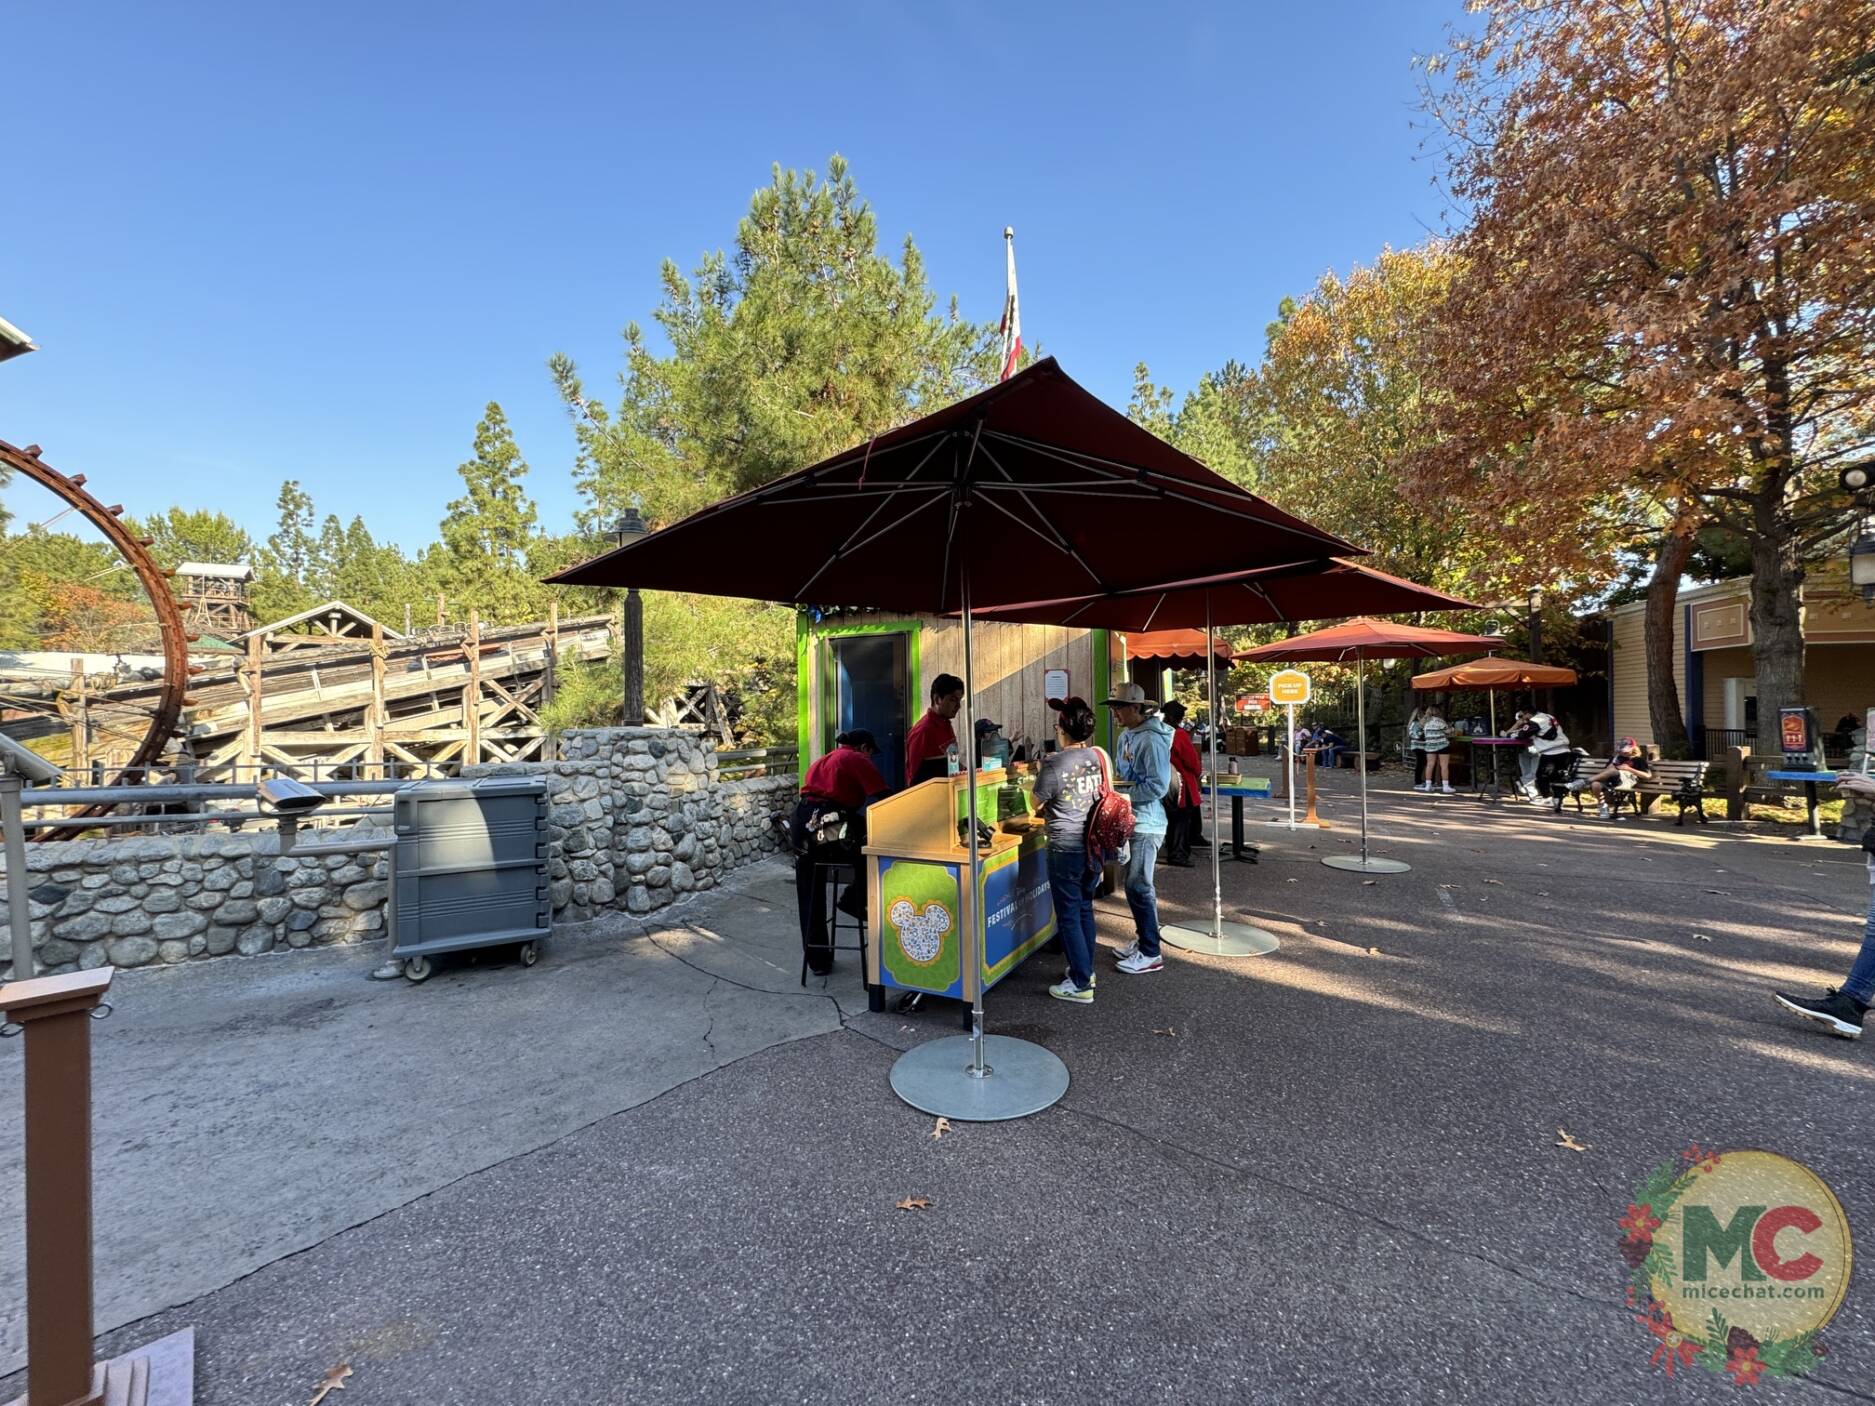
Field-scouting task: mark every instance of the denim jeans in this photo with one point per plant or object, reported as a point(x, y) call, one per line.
point(1141, 897)
point(1860, 982)
point(1072, 881)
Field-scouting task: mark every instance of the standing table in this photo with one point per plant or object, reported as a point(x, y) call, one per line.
point(1811, 780)
point(1237, 787)
point(1493, 791)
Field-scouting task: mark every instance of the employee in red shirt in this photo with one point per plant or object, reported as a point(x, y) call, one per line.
point(1184, 820)
point(932, 736)
point(834, 796)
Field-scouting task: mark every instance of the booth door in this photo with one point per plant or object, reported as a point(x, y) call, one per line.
point(871, 689)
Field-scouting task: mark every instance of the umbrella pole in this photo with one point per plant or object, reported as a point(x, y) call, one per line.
point(941, 1077)
point(1364, 864)
point(1217, 835)
point(1360, 741)
point(1223, 940)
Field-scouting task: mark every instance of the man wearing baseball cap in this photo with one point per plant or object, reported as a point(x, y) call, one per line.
point(1143, 756)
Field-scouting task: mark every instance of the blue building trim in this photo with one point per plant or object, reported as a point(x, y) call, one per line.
point(1694, 701)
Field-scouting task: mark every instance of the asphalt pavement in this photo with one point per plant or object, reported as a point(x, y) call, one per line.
point(655, 1169)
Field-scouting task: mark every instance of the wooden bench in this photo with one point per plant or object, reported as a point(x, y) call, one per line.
point(1683, 783)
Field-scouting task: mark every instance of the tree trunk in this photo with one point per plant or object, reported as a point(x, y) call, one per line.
point(1664, 715)
point(1777, 574)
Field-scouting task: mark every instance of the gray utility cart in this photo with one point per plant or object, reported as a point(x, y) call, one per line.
point(470, 869)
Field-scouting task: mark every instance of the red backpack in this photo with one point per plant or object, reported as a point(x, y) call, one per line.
point(1110, 821)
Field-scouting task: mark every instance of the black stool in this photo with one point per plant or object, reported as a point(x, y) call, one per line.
point(837, 878)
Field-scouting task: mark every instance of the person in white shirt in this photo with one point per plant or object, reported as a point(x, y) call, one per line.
point(1551, 747)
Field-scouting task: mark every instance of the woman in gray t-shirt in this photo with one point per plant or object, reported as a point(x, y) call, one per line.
point(1069, 783)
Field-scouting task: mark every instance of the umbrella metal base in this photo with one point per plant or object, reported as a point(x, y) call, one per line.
point(1366, 866)
point(1021, 1078)
point(1231, 940)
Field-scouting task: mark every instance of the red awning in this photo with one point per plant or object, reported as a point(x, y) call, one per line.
point(1177, 649)
point(1495, 675)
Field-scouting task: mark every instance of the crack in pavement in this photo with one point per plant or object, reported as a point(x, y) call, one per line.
point(1407, 1232)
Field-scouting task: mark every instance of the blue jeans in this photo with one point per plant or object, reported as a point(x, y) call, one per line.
point(1072, 881)
point(1860, 982)
point(1141, 897)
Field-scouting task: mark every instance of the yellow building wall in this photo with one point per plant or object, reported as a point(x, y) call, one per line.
point(1630, 674)
point(1840, 678)
point(1720, 665)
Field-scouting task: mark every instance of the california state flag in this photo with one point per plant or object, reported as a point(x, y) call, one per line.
point(1012, 311)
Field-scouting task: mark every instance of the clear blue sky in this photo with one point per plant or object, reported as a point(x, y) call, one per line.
point(261, 242)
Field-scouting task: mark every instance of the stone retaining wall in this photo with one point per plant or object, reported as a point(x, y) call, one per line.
point(639, 818)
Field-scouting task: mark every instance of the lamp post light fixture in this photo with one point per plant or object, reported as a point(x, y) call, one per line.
point(628, 529)
point(1862, 562)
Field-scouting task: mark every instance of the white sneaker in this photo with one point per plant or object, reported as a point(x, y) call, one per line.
point(1068, 991)
point(1603, 813)
point(1423, 786)
point(1093, 978)
point(1139, 964)
point(1121, 954)
point(1448, 790)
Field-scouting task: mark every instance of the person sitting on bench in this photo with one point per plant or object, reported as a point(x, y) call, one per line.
point(1626, 770)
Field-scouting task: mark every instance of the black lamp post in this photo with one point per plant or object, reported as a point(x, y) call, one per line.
point(1536, 626)
point(629, 528)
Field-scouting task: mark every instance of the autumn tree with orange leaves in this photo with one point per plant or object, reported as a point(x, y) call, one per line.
point(1667, 281)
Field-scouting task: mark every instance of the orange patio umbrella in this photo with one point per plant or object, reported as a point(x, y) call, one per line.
point(1360, 640)
point(1494, 675)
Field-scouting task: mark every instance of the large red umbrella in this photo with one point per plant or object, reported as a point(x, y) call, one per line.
point(1360, 640)
point(1272, 595)
point(1325, 589)
point(1030, 489)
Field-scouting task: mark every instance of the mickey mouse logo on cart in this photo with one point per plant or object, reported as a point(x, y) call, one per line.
point(920, 934)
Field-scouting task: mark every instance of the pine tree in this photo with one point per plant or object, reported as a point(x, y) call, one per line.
point(488, 530)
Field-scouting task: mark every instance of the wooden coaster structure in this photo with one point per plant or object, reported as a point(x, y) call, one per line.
point(171, 695)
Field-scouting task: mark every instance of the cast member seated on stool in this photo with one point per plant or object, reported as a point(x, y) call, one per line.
point(1144, 758)
point(828, 827)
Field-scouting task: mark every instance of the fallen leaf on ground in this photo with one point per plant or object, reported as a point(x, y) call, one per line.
point(941, 1127)
point(1720, 892)
point(1498, 882)
point(915, 1203)
point(1169, 1030)
point(1289, 881)
point(1565, 1139)
point(1365, 882)
point(1701, 937)
point(1448, 886)
point(335, 1381)
point(1373, 951)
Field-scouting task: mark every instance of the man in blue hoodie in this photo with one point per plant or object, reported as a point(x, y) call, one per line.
point(1142, 756)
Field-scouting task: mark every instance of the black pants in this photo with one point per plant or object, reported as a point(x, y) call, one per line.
point(810, 888)
point(1180, 829)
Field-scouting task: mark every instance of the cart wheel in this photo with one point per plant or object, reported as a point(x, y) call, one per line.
point(417, 969)
point(529, 953)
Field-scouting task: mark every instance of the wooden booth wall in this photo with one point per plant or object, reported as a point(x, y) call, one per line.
point(1010, 663)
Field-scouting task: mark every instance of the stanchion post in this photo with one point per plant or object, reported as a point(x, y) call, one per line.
point(54, 1015)
point(1308, 770)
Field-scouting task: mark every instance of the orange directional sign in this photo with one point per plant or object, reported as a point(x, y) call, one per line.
point(1289, 686)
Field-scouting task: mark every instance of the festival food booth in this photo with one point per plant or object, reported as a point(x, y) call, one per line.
point(929, 931)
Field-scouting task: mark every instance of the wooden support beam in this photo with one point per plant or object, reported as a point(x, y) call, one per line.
point(374, 717)
point(251, 680)
point(472, 689)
